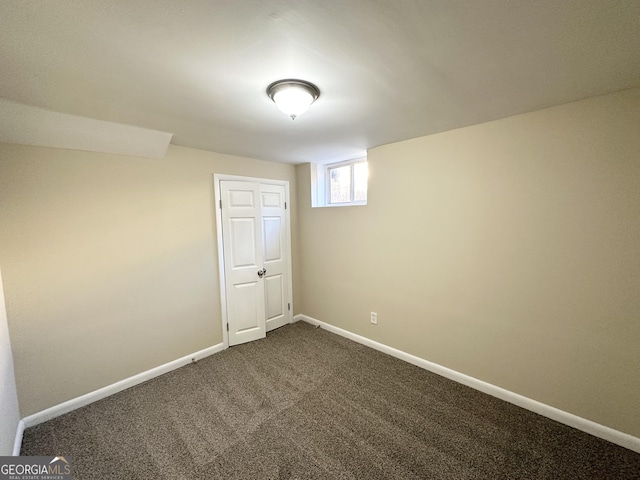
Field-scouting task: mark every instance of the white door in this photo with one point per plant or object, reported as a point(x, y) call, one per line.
point(242, 239)
point(256, 258)
point(275, 254)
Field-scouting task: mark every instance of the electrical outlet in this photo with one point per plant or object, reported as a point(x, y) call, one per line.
point(374, 318)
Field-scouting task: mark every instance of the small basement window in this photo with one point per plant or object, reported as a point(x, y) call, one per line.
point(339, 184)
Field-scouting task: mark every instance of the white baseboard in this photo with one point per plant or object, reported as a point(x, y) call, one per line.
point(104, 392)
point(588, 426)
point(17, 443)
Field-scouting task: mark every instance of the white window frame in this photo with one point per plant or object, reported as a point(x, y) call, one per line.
point(321, 184)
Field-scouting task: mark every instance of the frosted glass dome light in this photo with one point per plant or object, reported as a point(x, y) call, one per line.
point(293, 97)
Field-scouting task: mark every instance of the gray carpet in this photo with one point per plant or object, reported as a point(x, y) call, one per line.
point(308, 404)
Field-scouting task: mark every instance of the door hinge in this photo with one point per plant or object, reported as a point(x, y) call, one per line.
point(289, 306)
point(285, 205)
point(220, 204)
point(227, 327)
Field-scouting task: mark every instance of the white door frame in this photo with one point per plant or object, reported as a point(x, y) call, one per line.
point(217, 177)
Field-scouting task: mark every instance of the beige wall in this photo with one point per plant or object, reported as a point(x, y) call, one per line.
point(508, 251)
point(9, 411)
point(110, 263)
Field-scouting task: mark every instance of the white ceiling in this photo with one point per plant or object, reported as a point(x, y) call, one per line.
point(388, 70)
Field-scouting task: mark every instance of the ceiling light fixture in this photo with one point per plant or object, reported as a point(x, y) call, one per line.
point(292, 96)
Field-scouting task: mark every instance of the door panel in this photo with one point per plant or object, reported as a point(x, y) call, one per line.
point(272, 239)
point(243, 258)
point(243, 242)
point(242, 198)
point(245, 306)
point(272, 199)
point(275, 297)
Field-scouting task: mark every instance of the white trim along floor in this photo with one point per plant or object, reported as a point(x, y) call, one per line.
point(588, 426)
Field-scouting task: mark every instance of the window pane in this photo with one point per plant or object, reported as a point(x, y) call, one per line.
point(340, 183)
point(360, 176)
